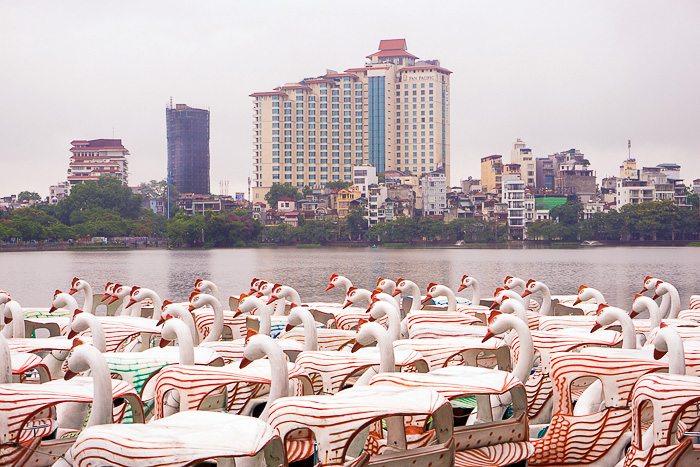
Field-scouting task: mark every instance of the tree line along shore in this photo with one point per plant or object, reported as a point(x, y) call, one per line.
point(106, 214)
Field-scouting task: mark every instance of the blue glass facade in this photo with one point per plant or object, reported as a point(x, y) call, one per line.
point(376, 122)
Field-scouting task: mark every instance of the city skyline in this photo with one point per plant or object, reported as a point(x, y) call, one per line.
point(584, 75)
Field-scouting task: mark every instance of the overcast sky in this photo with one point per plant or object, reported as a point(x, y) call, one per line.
point(557, 74)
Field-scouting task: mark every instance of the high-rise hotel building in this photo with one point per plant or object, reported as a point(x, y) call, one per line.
point(393, 113)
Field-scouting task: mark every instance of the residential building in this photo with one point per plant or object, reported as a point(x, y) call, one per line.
point(628, 169)
point(188, 148)
point(97, 158)
point(513, 194)
point(593, 207)
point(363, 176)
point(608, 189)
point(521, 155)
point(491, 173)
point(340, 200)
point(470, 185)
point(630, 191)
point(286, 204)
point(434, 191)
point(392, 113)
point(573, 175)
point(376, 204)
point(58, 192)
point(545, 174)
point(673, 171)
point(696, 186)
point(398, 177)
point(656, 176)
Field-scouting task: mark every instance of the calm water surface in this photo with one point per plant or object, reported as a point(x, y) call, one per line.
point(618, 272)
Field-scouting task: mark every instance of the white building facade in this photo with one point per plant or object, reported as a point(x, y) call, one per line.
point(513, 194)
point(93, 159)
point(434, 193)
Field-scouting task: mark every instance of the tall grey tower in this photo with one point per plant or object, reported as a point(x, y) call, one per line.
point(188, 148)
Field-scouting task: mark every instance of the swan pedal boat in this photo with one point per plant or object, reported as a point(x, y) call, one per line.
point(182, 439)
point(331, 371)
point(487, 442)
point(228, 388)
point(28, 418)
point(600, 436)
point(338, 424)
point(673, 400)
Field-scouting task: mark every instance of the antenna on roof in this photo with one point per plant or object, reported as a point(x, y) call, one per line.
point(171, 102)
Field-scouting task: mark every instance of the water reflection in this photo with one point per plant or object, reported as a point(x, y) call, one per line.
point(618, 272)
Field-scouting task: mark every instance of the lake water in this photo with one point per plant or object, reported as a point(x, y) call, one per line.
point(618, 272)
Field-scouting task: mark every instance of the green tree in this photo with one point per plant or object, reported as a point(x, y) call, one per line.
point(281, 190)
point(338, 185)
point(186, 230)
point(106, 193)
point(355, 222)
point(307, 190)
point(568, 213)
point(28, 196)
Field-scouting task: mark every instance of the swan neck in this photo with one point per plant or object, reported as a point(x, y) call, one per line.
point(654, 314)
point(102, 399)
point(675, 303)
point(476, 293)
point(17, 319)
point(279, 375)
point(546, 308)
point(451, 299)
point(387, 361)
point(99, 339)
point(526, 357)
point(217, 327)
point(310, 332)
point(279, 308)
point(665, 306)
point(629, 338)
point(264, 312)
point(5, 362)
point(88, 303)
point(415, 294)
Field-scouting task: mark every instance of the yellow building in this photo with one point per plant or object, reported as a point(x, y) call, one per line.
point(491, 173)
point(340, 200)
point(393, 113)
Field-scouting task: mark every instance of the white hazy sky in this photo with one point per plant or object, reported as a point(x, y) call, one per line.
point(557, 74)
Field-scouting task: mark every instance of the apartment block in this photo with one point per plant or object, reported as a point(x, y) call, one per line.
point(392, 113)
point(513, 194)
point(491, 173)
point(363, 176)
point(434, 190)
point(520, 154)
point(96, 158)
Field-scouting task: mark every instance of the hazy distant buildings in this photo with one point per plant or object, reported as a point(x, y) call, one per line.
point(393, 113)
point(96, 158)
point(491, 173)
point(434, 191)
point(188, 148)
point(521, 155)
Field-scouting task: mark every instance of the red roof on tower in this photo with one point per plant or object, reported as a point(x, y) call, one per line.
point(392, 44)
point(392, 48)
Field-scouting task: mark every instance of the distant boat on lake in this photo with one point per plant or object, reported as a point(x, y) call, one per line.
point(591, 243)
